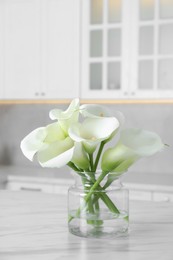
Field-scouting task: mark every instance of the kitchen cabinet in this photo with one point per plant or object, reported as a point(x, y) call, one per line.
point(127, 49)
point(19, 48)
point(137, 191)
point(39, 49)
point(92, 49)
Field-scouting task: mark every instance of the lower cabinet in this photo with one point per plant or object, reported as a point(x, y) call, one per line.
point(163, 196)
point(60, 186)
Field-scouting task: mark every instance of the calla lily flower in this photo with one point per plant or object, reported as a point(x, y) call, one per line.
point(95, 111)
point(98, 111)
point(51, 145)
point(92, 131)
point(33, 142)
point(80, 158)
point(67, 117)
point(133, 145)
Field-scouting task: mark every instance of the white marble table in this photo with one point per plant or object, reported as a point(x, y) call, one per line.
point(33, 226)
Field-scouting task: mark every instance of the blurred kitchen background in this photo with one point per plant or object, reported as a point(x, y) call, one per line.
point(116, 52)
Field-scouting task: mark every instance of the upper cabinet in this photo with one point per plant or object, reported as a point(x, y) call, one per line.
point(60, 48)
point(19, 48)
point(100, 49)
point(103, 60)
point(127, 49)
point(152, 55)
point(39, 49)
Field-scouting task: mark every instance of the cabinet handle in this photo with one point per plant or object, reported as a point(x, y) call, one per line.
point(31, 189)
point(43, 94)
point(36, 94)
point(132, 93)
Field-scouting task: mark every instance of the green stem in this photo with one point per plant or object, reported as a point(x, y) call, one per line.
point(98, 155)
point(91, 162)
point(104, 197)
point(73, 167)
point(109, 203)
point(90, 205)
point(97, 207)
point(88, 196)
point(92, 176)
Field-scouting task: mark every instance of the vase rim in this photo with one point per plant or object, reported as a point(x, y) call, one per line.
point(97, 172)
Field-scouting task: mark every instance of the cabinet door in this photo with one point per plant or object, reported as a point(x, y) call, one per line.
point(127, 49)
point(19, 48)
point(60, 47)
point(104, 55)
point(152, 59)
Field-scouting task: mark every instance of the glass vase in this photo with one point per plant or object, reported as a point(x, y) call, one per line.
point(98, 205)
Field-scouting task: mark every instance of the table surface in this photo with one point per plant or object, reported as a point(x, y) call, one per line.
point(33, 226)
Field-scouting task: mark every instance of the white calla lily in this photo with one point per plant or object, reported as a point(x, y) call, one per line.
point(92, 131)
point(56, 154)
point(33, 142)
point(50, 143)
point(133, 144)
point(80, 158)
point(98, 111)
point(67, 117)
point(118, 159)
point(95, 111)
point(144, 143)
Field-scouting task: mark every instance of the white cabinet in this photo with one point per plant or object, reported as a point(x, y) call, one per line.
point(163, 196)
point(60, 46)
point(92, 49)
point(127, 49)
point(104, 57)
point(152, 51)
point(39, 49)
point(137, 191)
point(19, 48)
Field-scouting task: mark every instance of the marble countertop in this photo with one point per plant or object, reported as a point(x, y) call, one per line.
point(33, 226)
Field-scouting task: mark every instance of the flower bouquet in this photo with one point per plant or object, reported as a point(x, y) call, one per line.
point(79, 137)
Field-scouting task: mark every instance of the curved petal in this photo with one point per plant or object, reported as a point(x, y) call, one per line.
point(80, 159)
point(75, 132)
point(99, 128)
point(62, 115)
point(98, 111)
point(94, 111)
point(56, 154)
point(67, 117)
point(93, 129)
point(33, 142)
point(133, 144)
point(54, 133)
point(118, 159)
point(143, 142)
point(90, 146)
point(59, 161)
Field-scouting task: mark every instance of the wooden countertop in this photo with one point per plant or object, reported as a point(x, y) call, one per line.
point(33, 226)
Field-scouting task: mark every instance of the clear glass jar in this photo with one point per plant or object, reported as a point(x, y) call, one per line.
point(98, 205)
